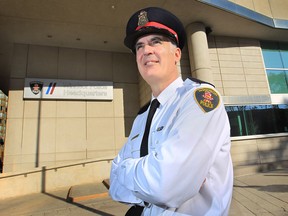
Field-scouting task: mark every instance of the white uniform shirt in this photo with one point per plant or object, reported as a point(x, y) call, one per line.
point(188, 170)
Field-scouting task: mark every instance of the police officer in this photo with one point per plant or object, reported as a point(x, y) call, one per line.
point(181, 163)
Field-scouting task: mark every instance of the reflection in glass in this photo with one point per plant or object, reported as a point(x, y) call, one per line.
point(258, 119)
point(275, 57)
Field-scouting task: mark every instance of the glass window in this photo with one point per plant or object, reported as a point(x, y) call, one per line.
point(276, 62)
point(277, 81)
point(284, 56)
point(248, 120)
point(272, 59)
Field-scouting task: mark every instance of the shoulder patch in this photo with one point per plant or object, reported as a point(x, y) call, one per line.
point(207, 99)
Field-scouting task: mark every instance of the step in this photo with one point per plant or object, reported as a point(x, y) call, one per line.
point(88, 191)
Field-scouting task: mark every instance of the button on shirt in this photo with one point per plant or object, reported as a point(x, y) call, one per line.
point(188, 170)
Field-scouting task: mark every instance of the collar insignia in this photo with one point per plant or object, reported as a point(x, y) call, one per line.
point(142, 18)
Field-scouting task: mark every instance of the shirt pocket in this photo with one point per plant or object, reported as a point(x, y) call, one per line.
point(157, 137)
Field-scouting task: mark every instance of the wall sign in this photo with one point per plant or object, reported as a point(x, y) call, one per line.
point(67, 89)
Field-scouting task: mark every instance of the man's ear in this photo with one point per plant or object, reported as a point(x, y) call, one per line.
point(178, 54)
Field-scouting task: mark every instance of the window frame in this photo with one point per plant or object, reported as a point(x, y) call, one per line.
point(249, 122)
point(280, 49)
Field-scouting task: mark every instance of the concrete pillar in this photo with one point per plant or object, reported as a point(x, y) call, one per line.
point(199, 52)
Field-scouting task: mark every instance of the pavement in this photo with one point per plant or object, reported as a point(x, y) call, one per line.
point(262, 194)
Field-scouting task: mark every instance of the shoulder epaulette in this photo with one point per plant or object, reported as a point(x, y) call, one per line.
point(200, 81)
point(144, 108)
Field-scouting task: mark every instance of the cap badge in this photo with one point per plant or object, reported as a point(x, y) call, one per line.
point(142, 18)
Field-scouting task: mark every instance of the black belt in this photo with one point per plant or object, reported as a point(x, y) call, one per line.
point(135, 211)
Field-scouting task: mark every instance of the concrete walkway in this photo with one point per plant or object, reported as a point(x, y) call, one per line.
point(260, 194)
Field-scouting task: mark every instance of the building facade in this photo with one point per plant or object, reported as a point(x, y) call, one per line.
point(3, 114)
point(240, 46)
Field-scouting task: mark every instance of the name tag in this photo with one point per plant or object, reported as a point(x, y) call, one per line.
point(134, 137)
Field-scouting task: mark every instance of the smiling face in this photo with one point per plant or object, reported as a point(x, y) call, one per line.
point(157, 59)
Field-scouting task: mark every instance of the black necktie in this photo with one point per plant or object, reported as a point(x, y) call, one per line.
point(144, 144)
point(137, 210)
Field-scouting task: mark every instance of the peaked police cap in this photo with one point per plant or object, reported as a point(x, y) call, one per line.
point(154, 20)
